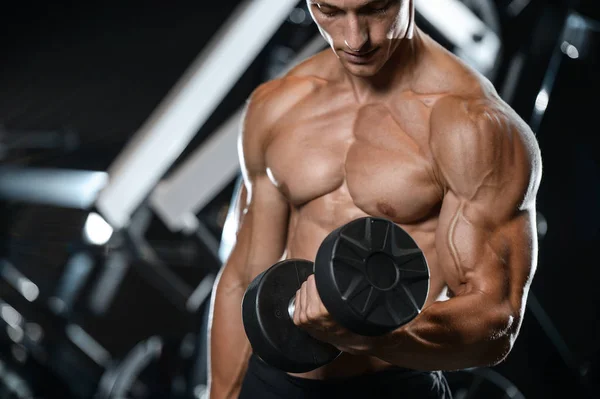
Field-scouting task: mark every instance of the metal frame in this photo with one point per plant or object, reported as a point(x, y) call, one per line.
point(572, 34)
point(170, 128)
point(59, 187)
point(475, 42)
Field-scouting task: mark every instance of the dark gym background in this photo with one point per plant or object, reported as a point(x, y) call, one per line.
point(107, 321)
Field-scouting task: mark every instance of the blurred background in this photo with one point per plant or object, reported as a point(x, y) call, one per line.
point(118, 169)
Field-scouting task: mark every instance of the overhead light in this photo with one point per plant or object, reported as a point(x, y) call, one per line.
point(541, 102)
point(570, 50)
point(96, 230)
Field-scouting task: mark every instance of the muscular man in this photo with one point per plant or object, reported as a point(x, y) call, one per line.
point(388, 124)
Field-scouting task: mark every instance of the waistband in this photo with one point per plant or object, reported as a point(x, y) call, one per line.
point(273, 375)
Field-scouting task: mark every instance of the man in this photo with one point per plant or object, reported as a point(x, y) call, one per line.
point(392, 125)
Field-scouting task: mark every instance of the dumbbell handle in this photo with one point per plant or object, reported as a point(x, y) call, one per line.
point(292, 307)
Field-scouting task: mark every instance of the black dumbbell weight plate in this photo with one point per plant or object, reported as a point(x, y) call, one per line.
point(272, 333)
point(371, 276)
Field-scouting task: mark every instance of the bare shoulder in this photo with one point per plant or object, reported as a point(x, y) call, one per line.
point(274, 98)
point(478, 140)
point(271, 100)
point(267, 104)
point(441, 71)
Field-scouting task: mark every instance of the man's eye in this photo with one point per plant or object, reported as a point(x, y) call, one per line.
point(379, 9)
point(328, 12)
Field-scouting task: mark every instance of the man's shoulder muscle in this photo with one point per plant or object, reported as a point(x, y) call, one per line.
point(480, 137)
point(270, 102)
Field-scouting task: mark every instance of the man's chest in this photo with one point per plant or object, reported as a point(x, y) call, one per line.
point(378, 155)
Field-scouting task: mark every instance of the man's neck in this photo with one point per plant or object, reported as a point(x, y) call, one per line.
point(395, 75)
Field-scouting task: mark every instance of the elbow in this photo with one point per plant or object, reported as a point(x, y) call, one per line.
point(499, 340)
point(495, 352)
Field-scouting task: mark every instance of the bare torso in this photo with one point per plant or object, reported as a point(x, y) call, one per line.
point(336, 158)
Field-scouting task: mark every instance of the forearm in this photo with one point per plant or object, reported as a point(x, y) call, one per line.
point(456, 334)
point(229, 347)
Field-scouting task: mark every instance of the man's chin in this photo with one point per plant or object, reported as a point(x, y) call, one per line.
point(361, 70)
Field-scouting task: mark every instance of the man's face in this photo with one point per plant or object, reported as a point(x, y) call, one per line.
point(363, 33)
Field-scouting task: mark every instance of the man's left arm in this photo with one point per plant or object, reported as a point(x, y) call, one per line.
point(490, 167)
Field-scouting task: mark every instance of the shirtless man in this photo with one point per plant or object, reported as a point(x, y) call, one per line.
point(388, 124)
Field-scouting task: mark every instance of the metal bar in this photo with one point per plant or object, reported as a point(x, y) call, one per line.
point(18, 281)
point(169, 129)
point(475, 42)
point(107, 285)
point(212, 166)
point(76, 274)
point(201, 293)
point(58, 187)
point(88, 345)
point(572, 38)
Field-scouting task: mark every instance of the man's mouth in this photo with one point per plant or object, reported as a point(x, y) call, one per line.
point(359, 58)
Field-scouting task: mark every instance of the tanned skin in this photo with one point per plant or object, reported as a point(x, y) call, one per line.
point(407, 132)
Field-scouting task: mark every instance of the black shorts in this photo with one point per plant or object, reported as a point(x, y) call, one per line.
point(265, 382)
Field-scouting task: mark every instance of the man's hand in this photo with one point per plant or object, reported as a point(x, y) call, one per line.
point(311, 315)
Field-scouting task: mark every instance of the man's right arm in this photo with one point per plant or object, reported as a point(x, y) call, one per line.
point(260, 242)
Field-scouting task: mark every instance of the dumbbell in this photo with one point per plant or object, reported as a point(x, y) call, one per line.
point(370, 275)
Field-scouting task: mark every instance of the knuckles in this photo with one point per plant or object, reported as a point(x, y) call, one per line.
point(308, 311)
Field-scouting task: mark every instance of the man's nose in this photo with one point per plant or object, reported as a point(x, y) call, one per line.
point(356, 34)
